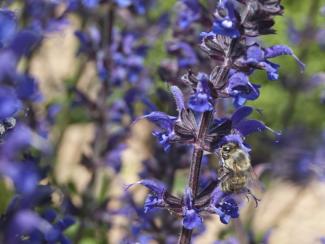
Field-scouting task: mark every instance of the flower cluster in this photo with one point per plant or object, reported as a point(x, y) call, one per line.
point(213, 55)
point(26, 152)
point(235, 53)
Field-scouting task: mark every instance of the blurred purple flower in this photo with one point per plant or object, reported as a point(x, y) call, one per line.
point(189, 13)
point(9, 103)
point(8, 26)
point(90, 3)
point(27, 89)
point(186, 56)
point(294, 35)
point(114, 157)
point(24, 175)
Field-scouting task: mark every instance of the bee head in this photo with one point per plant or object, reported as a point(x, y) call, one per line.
point(229, 147)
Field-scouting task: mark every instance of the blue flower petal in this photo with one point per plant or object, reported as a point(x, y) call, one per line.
point(155, 187)
point(279, 50)
point(191, 219)
point(199, 102)
point(240, 88)
point(163, 139)
point(250, 126)
point(161, 120)
point(151, 202)
point(241, 114)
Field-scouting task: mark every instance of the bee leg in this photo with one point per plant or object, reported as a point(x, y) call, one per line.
point(247, 197)
point(249, 193)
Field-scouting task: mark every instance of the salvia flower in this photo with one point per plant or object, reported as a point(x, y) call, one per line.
point(241, 89)
point(257, 57)
point(185, 53)
point(226, 22)
point(8, 26)
point(191, 217)
point(189, 13)
point(200, 101)
point(224, 206)
point(156, 199)
point(181, 129)
point(9, 103)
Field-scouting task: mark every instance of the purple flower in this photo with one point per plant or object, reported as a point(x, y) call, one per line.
point(229, 209)
point(258, 58)
point(89, 41)
point(191, 217)
point(8, 62)
point(184, 52)
point(156, 198)
point(226, 25)
point(123, 3)
point(161, 120)
point(165, 124)
point(188, 14)
point(90, 3)
point(294, 35)
point(8, 26)
point(25, 222)
point(201, 100)
point(223, 205)
point(17, 140)
point(155, 187)
point(55, 234)
point(244, 126)
point(240, 88)
point(234, 129)
point(24, 175)
point(151, 202)
point(9, 103)
point(114, 157)
point(53, 111)
point(140, 6)
point(27, 89)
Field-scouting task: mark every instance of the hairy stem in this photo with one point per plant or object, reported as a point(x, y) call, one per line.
point(193, 181)
point(220, 77)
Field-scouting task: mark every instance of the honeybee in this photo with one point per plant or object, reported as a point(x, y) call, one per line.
point(237, 166)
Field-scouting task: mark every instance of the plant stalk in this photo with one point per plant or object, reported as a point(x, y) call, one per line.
point(193, 181)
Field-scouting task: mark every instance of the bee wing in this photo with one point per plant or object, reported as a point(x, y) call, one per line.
point(253, 181)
